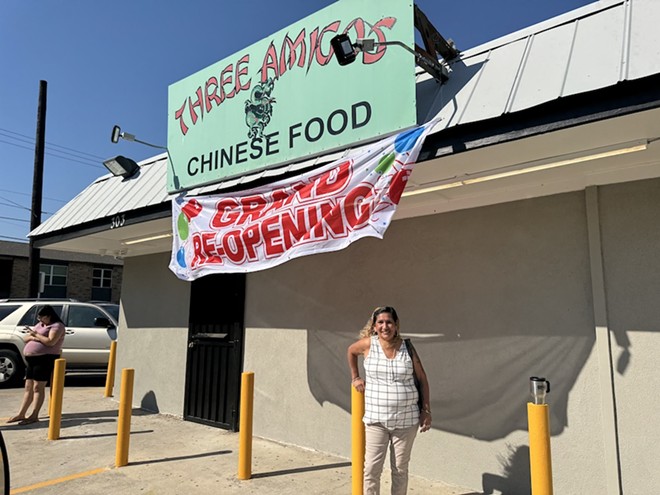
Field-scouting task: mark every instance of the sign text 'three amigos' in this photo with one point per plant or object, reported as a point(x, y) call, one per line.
point(285, 97)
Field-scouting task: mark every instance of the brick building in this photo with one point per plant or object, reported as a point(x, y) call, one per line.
point(86, 277)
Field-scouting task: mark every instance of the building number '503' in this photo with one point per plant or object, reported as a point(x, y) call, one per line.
point(117, 221)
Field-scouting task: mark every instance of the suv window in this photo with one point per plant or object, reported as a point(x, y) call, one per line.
point(6, 310)
point(113, 309)
point(83, 316)
point(30, 318)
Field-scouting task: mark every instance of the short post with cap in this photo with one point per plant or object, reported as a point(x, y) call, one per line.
point(357, 441)
point(245, 429)
point(538, 418)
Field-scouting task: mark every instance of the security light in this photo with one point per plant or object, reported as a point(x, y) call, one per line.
point(343, 48)
point(121, 166)
point(346, 53)
point(117, 134)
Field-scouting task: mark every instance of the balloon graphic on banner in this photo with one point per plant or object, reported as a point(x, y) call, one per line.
point(182, 226)
point(405, 141)
point(181, 257)
point(385, 163)
point(189, 211)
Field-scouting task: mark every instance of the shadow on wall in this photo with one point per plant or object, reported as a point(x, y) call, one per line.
point(438, 96)
point(490, 296)
point(152, 296)
point(149, 402)
point(515, 477)
point(479, 387)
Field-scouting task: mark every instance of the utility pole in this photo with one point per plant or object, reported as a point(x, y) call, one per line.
point(37, 190)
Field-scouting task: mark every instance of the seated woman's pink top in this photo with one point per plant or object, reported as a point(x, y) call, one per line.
point(34, 348)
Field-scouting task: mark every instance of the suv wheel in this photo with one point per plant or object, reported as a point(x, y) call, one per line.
point(11, 368)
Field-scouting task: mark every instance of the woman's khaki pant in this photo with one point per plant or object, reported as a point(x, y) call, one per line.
point(400, 442)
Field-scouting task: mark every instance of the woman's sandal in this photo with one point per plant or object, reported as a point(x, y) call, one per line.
point(27, 421)
point(15, 419)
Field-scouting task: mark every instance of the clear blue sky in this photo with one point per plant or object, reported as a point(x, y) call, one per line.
point(111, 62)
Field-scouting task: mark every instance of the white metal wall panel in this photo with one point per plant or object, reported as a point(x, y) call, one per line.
point(644, 47)
point(110, 195)
point(495, 85)
point(84, 205)
point(455, 94)
point(596, 58)
point(544, 70)
point(113, 195)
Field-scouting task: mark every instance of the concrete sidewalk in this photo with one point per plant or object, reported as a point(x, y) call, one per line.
point(167, 456)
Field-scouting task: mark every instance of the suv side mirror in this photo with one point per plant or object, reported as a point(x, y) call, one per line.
point(103, 322)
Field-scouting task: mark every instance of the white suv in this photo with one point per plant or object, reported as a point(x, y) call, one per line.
point(89, 331)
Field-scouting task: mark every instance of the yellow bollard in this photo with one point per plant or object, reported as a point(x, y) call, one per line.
point(50, 393)
point(124, 422)
point(357, 441)
point(245, 431)
point(540, 461)
point(110, 376)
point(55, 405)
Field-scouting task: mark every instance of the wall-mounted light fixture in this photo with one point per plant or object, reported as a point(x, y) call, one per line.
point(535, 166)
point(118, 134)
point(346, 53)
point(121, 166)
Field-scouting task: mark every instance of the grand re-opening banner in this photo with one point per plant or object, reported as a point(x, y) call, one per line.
point(321, 211)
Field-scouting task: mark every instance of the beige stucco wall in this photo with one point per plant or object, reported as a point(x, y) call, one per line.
point(497, 294)
point(284, 404)
point(492, 296)
point(153, 333)
point(631, 239)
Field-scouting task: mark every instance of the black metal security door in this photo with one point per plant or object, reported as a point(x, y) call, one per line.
point(215, 350)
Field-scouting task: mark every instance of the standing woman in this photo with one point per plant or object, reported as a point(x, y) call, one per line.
point(43, 345)
point(391, 413)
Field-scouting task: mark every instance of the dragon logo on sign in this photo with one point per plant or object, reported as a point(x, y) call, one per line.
point(259, 108)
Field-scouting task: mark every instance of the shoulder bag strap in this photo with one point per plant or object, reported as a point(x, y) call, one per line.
point(409, 348)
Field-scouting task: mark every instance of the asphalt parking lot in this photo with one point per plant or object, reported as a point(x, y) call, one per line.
point(167, 455)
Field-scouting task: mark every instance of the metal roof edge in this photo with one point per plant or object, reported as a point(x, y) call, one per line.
point(624, 98)
point(567, 17)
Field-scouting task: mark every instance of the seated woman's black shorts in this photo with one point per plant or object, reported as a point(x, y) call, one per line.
point(39, 368)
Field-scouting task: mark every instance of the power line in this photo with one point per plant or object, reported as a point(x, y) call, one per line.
point(66, 153)
point(88, 164)
point(15, 203)
point(28, 194)
point(23, 208)
point(15, 219)
point(52, 153)
point(55, 145)
point(18, 205)
point(23, 239)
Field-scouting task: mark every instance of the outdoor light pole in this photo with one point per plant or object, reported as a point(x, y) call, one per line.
point(34, 256)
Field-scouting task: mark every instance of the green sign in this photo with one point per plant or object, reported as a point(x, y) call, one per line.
point(286, 98)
